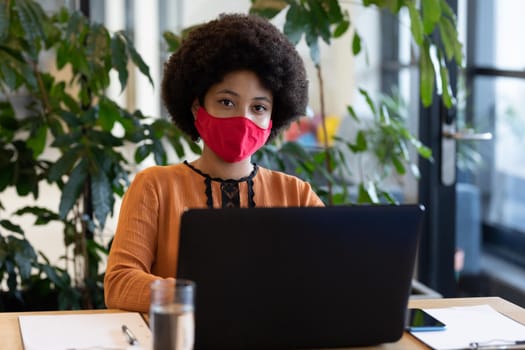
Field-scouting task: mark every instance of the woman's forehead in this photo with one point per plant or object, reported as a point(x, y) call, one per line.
point(241, 83)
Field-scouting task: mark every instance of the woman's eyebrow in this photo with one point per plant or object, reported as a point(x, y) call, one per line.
point(233, 93)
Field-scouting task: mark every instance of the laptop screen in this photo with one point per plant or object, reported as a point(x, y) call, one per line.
point(274, 278)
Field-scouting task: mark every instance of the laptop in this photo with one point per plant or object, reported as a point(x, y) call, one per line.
point(293, 278)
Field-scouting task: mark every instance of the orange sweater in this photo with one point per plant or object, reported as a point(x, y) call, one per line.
point(145, 246)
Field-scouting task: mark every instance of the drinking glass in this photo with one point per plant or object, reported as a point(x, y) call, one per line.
point(171, 314)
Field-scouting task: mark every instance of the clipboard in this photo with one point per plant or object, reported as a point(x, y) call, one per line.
point(84, 331)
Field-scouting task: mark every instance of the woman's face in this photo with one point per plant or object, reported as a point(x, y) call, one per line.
point(240, 93)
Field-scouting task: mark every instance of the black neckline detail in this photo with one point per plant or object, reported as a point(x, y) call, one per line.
point(218, 179)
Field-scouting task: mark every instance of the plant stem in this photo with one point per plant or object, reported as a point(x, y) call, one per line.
point(87, 234)
point(45, 100)
point(328, 161)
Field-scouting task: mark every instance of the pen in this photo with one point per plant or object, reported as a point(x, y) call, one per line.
point(132, 340)
point(503, 345)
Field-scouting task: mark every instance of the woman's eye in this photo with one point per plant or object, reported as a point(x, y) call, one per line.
point(260, 108)
point(226, 102)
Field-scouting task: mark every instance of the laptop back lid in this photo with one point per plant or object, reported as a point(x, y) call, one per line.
point(283, 278)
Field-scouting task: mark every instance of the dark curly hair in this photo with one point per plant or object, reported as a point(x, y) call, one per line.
point(234, 42)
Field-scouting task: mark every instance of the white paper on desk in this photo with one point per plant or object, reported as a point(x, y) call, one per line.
point(83, 331)
point(468, 324)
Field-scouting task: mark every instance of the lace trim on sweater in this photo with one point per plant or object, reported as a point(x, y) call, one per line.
point(230, 192)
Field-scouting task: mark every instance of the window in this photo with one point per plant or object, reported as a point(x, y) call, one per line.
point(495, 86)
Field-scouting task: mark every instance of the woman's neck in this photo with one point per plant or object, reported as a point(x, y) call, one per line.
point(209, 163)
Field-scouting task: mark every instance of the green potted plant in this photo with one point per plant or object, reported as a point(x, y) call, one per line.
point(388, 139)
point(88, 131)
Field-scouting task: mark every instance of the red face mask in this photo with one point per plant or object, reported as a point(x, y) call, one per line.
point(233, 138)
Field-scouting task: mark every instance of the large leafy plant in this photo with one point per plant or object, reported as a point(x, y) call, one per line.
point(88, 132)
point(325, 20)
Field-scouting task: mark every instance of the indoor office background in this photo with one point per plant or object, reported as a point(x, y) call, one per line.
point(474, 190)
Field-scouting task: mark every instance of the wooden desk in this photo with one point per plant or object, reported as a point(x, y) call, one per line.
point(10, 331)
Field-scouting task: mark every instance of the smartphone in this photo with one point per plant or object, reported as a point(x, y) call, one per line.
point(420, 321)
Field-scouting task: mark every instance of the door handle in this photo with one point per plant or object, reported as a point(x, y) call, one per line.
point(448, 149)
point(467, 135)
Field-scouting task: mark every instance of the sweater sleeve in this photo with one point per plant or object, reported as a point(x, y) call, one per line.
point(311, 199)
point(128, 273)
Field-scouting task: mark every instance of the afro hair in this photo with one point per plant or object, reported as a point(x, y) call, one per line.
point(230, 43)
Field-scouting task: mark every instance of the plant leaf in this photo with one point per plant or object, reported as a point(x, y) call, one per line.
point(426, 71)
point(416, 25)
point(103, 138)
point(159, 153)
point(24, 257)
point(335, 14)
point(63, 165)
point(4, 20)
point(369, 101)
point(398, 165)
point(72, 120)
point(32, 25)
point(431, 10)
point(73, 188)
point(26, 177)
point(361, 141)
point(320, 23)
point(108, 113)
point(392, 5)
point(389, 198)
point(37, 140)
point(362, 195)
point(8, 225)
point(360, 144)
point(98, 57)
point(119, 59)
point(142, 152)
point(356, 43)
point(8, 171)
point(352, 113)
point(445, 38)
point(425, 152)
point(341, 28)
point(172, 40)
point(384, 116)
point(295, 26)
point(42, 215)
point(102, 197)
point(449, 37)
point(267, 8)
point(137, 59)
point(371, 189)
point(10, 76)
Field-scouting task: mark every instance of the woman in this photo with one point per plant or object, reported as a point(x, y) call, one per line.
point(235, 83)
